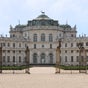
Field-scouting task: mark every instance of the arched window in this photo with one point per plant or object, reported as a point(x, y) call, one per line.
point(51, 58)
point(35, 37)
point(42, 37)
point(43, 58)
point(35, 58)
point(50, 38)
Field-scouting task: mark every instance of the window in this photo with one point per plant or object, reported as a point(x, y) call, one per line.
point(51, 58)
point(50, 46)
point(77, 58)
point(8, 44)
point(13, 58)
point(65, 51)
point(71, 51)
point(34, 46)
point(19, 44)
point(65, 44)
point(35, 38)
point(50, 38)
point(86, 43)
point(8, 51)
point(65, 58)
point(42, 46)
point(19, 58)
point(43, 37)
point(71, 58)
point(71, 44)
point(13, 51)
point(3, 44)
point(4, 59)
point(13, 44)
point(19, 51)
point(35, 58)
point(8, 58)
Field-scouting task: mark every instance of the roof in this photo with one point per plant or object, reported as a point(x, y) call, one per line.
point(42, 17)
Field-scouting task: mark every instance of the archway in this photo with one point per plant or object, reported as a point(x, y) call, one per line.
point(43, 58)
point(35, 58)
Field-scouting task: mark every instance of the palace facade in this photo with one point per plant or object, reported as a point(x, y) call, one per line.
point(42, 36)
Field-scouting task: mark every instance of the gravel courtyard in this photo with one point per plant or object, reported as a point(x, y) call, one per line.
point(43, 77)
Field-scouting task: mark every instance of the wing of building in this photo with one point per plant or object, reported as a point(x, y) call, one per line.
point(41, 35)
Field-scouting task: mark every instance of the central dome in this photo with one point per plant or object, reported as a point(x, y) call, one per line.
point(42, 16)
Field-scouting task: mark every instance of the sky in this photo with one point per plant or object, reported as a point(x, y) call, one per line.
point(74, 12)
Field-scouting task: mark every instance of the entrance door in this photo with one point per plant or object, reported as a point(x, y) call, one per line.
point(42, 58)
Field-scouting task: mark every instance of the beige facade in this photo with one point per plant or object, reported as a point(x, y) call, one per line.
point(41, 35)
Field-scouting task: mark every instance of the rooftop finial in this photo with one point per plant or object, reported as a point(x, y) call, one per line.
point(43, 12)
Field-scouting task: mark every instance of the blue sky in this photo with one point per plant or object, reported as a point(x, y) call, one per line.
point(73, 11)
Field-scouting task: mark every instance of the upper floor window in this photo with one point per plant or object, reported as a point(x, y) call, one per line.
point(35, 37)
point(50, 46)
point(43, 37)
point(65, 58)
point(19, 44)
point(71, 44)
point(34, 46)
point(86, 43)
point(50, 38)
point(71, 58)
point(8, 44)
point(65, 44)
point(13, 44)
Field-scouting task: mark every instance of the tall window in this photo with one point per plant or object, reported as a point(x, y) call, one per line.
point(50, 46)
point(35, 38)
point(51, 58)
point(8, 58)
point(8, 44)
point(19, 44)
point(34, 46)
point(13, 58)
point(19, 58)
point(65, 58)
point(71, 58)
point(71, 44)
point(35, 58)
point(50, 38)
point(65, 44)
point(4, 59)
point(43, 37)
point(13, 44)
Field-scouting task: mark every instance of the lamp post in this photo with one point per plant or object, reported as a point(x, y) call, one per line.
point(1, 58)
point(82, 59)
point(58, 51)
point(27, 52)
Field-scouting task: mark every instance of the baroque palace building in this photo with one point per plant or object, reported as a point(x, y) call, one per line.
point(41, 35)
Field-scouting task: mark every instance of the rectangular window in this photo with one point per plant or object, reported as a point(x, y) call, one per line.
point(13, 58)
point(65, 58)
point(71, 51)
point(8, 44)
point(50, 46)
point(3, 59)
point(13, 44)
point(71, 44)
point(65, 44)
point(19, 44)
point(34, 46)
point(65, 51)
point(19, 58)
point(71, 58)
point(77, 58)
point(8, 58)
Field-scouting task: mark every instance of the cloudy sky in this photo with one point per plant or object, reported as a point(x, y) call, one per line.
point(72, 11)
